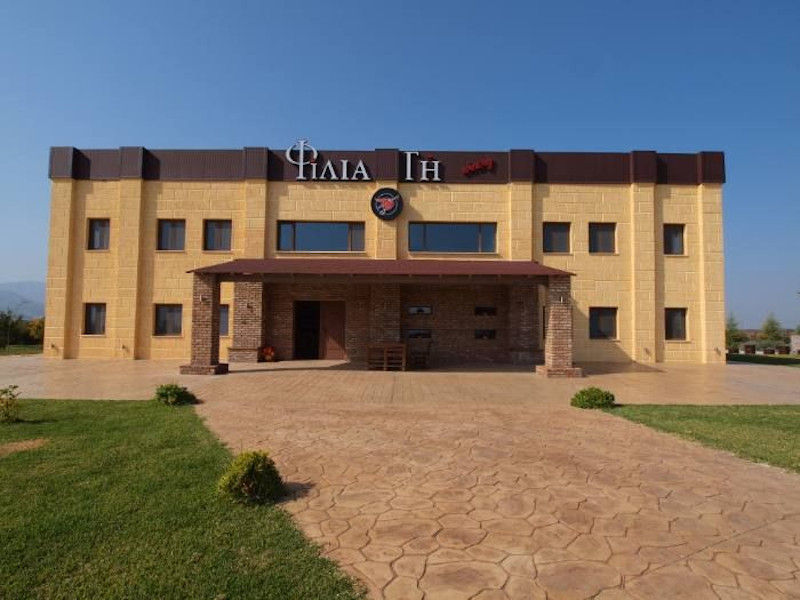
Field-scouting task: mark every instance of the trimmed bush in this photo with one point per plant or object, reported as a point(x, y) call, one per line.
point(173, 394)
point(9, 404)
point(593, 397)
point(252, 478)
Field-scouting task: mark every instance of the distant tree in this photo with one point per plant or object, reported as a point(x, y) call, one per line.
point(733, 335)
point(797, 330)
point(771, 330)
point(11, 325)
point(35, 330)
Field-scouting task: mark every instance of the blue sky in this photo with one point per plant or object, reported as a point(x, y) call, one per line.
point(673, 77)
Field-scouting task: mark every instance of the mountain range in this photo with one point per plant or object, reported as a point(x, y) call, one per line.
point(24, 298)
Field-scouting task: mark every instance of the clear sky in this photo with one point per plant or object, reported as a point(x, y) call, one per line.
point(677, 76)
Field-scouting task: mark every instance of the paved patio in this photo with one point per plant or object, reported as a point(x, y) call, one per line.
point(488, 485)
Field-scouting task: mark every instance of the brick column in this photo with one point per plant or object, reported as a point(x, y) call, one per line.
point(523, 322)
point(558, 338)
point(205, 328)
point(249, 326)
point(384, 313)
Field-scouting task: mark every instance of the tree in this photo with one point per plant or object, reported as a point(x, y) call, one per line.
point(10, 326)
point(35, 330)
point(733, 335)
point(771, 330)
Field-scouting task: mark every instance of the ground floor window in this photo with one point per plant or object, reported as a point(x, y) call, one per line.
point(168, 319)
point(94, 320)
point(675, 323)
point(603, 323)
point(452, 237)
point(320, 236)
point(224, 318)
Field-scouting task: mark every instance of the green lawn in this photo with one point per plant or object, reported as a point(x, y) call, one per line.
point(20, 349)
point(769, 434)
point(784, 360)
point(121, 503)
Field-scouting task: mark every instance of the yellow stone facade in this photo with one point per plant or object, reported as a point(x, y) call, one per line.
point(639, 279)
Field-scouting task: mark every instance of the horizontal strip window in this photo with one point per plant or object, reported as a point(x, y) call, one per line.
point(94, 319)
point(418, 334)
point(485, 334)
point(603, 238)
point(168, 319)
point(603, 323)
point(452, 237)
point(420, 310)
point(555, 237)
point(485, 311)
point(320, 236)
point(99, 234)
point(171, 234)
point(217, 235)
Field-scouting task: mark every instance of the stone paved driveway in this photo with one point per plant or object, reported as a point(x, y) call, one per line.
point(488, 485)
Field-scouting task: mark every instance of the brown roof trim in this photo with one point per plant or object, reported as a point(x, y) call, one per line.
point(380, 267)
point(640, 166)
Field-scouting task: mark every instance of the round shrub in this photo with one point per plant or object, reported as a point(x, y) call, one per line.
point(173, 394)
point(593, 397)
point(252, 478)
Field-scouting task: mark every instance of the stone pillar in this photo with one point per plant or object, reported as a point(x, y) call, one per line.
point(249, 326)
point(710, 322)
point(384, 313)
point(523, 322)
point(205, 328)
point(558, 338)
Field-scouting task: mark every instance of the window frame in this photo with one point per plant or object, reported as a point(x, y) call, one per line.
point(592, 329)
point(158, 235)
point(227, 320)
point(205, 235)
point(568, 224)
point(479, 224)
point(91, 221)
point(86, 306)
point(685, 312)
point(683, 239)
point(294, 222)
point(602, 224)
point(155, 319)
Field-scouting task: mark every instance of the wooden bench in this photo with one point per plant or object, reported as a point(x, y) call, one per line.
point(387, 357)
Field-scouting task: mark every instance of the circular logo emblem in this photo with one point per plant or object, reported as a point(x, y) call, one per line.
point(387, 203)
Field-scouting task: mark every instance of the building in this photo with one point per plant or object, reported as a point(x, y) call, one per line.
point(545, 258)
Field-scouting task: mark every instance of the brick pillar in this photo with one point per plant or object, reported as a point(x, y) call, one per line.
point(249, 325)
point(558, 337)
point(523, 322)
point(205, 328)
point(384, 313)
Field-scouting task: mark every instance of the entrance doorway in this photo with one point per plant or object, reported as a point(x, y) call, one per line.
point(319, 330)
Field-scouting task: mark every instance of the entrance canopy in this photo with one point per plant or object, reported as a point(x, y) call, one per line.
point(282, 268)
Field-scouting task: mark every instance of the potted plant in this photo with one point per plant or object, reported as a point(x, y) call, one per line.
point(267, 354)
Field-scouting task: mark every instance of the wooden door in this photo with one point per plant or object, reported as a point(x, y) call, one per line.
point(331, 330)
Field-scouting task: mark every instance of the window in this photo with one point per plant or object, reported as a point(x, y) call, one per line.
point(94, 319)
point(602, 237)
point(168, 319)
point(224, 316)
point(217, 235)
point(320, 236)
point(171, 234)
point(451, 237)
point(485, 334)
point(675, 323)
point(485, 311)
point(420, 310)
point(99, 230)
point(418, 334)
point(603, 323)
point(555, 237)
point(673, 239)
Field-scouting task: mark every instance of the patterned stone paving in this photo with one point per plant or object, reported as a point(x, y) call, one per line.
point(489, 486)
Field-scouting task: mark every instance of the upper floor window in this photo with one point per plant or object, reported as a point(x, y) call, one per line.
point(168, 319)
point(555, 237)
point(602, 237)
point(99, 232)
point(673, 239)
point(217, 235)
point(602, 323)
point(320, 236)
point(171, 234)
point(675, 323)
point(94, 319)
point(452, 237)
point(224, 319)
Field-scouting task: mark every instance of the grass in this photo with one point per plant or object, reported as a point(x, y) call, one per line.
point(784, 360)
point(769, 434)
point(121, 502)
point(20, 349)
